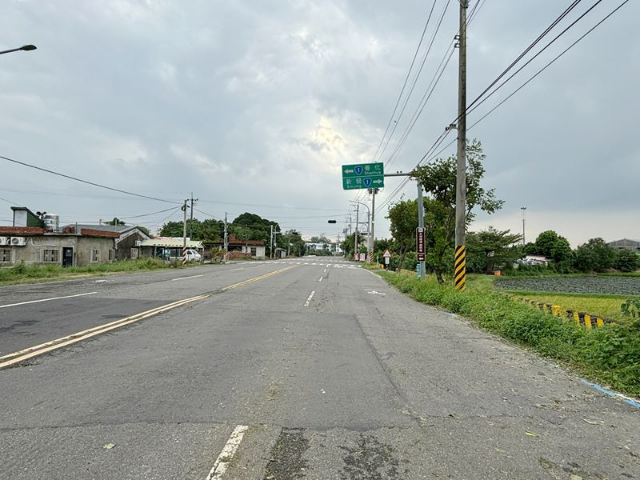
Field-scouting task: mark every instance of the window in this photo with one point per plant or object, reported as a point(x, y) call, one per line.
point(51, 256)
point(253, 251)
point(112, 254)
point(95, 256)
point(5, 255)
point(134, 253)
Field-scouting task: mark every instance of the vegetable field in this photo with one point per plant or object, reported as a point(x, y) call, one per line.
point(586, 285)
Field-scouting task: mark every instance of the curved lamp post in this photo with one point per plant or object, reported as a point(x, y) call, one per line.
point(26, 48)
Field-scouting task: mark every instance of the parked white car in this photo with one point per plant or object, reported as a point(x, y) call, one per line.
point(193, 256)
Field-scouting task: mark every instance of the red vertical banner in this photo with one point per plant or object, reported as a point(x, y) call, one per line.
point(421, 248)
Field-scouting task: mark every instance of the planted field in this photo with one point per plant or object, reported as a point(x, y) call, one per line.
point(587, 285)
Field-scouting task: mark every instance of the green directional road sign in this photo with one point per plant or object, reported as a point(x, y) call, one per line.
point(363, 175)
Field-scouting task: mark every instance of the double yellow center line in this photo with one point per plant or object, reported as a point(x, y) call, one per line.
point(27, 353)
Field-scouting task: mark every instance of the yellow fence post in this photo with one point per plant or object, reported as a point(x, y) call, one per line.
point(587, 320)
point(555, 310)
point(600, 322)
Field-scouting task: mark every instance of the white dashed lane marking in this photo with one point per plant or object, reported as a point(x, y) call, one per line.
point(306, 304)
point(229, 450)
point(47, 300)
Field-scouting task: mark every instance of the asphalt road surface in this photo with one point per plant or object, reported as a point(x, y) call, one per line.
point(309, 368)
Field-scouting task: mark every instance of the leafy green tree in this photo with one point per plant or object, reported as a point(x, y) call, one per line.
point(404, 221)
point(115, 221)
point(293, 242)
point(349, 242)
point(553, 246)
point(595, 255)
point(144, 230)
point(439, 181)
point(171, 229)
point(626, 261)
point(491, 249)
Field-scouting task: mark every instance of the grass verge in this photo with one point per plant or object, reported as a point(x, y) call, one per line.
point(609, 355)
point(23, 273)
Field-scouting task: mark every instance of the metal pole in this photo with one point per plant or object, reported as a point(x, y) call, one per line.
point(523, 215)
point(184, 232)
point(271, 247)
point(373, 223)
point(355, 239)
point(226, 239)
point(421, 223)
point(460, 271)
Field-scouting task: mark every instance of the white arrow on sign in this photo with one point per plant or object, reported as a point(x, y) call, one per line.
point(348, 171)
point(377, 181)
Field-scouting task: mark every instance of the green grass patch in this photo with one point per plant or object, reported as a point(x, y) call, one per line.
point(609, 355)
point(604, 306)
point(23, 273)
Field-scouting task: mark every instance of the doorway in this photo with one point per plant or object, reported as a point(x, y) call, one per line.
point(67, 256)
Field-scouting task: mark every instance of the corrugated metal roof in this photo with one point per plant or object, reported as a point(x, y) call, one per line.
point(169, 242)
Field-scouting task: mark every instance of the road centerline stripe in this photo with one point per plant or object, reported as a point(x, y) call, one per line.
point(27, 353)
point(47, 299)
point(226, 455)
point(306, 304)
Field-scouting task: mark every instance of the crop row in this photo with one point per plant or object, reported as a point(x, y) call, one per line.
point(589, 285)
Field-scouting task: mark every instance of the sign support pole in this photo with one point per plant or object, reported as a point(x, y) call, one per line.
point(421, 223)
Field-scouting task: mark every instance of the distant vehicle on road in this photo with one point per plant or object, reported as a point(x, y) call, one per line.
point(193, 256)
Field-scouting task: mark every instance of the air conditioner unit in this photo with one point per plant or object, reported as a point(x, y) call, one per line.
point(18, 241)
point(5, 240)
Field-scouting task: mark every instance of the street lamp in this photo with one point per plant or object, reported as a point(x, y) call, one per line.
point(26, 48)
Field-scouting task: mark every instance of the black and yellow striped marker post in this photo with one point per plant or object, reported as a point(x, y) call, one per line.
point(184, 254)
point(460, 268)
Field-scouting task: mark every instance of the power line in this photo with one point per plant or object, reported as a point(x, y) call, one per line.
point(415, 55)
point(471, 109)
point(84, 181)
point(415, 81)
point(550, 63)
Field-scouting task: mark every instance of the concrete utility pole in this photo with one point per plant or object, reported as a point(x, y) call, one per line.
point(460, 266)
point(421, 224)
point(271, 246)
point(226, 239)
point(184, 231)
point(523, 215)
point(191, 216)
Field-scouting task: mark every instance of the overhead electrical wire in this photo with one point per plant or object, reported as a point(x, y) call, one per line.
point(415, 55)
point(429, 91)
point(533, 76)
point(84, 181)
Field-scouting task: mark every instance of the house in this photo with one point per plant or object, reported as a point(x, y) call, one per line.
point(244, 248)
point(626, 244)
point(127, 243)
point(35, 238)
point(167, 248)
point(70, 247)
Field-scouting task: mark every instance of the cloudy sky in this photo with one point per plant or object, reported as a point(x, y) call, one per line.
point(254, 105)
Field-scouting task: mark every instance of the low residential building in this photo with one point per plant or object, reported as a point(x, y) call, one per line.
point(167, 248)
point(127, 243)
point(69, 247)
point(243, 248)
point(626, 244)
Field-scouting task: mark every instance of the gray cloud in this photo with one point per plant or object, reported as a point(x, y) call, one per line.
point(260, 102)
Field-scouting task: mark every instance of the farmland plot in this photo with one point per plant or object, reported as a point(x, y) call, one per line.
point(589, 285)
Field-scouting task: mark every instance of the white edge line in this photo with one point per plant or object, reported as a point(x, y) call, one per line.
point(184, 278)
point(229, 450)
point(47, 299)
point(306, 304)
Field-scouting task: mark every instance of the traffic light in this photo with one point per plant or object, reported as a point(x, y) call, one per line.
point(332, 221)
